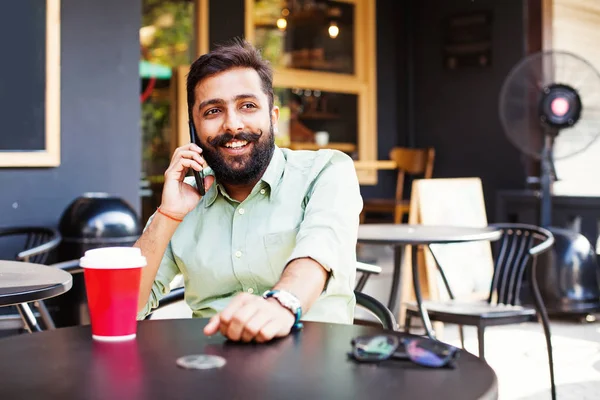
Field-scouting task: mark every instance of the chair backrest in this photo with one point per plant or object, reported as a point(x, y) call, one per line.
point(38, 243)
point(413, 162)
point(382, 313)
point(515, 252)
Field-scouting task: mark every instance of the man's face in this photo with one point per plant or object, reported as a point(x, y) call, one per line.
point(235, 126)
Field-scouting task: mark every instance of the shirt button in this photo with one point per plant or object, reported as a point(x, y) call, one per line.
point(250, 290)
point(238, 254)
point(263, 191)
point(241, 211)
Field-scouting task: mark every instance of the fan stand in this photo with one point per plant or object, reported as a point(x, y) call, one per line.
point(546, 181)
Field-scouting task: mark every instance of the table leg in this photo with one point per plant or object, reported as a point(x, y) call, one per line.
point(417, 289)
point(395, 292)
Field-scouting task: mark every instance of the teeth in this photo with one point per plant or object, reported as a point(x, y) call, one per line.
point(236, 143)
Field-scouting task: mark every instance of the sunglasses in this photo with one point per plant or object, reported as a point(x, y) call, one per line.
point(421, 351)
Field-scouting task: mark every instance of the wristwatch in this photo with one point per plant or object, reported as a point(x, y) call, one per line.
point(289, 301)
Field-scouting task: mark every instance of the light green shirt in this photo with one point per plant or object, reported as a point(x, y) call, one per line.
point(307, 204)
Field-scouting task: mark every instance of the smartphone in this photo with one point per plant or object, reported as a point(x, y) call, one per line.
point(199, 176)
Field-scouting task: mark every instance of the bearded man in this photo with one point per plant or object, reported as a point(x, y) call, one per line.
point(273, 240)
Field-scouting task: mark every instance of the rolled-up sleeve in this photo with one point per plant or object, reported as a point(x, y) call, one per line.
point(328, 232)
point(167, 271)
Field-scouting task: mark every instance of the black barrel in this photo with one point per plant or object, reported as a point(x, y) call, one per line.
point(91, 221)
point(568, 276)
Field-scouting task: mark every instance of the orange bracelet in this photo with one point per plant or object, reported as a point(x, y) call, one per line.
point(167, 215)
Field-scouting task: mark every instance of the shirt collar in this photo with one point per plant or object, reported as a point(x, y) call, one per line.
point(271, 176)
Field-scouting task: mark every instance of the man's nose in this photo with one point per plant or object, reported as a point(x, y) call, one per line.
point(233, 122)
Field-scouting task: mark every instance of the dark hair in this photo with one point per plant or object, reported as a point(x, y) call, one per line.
point(237, 54)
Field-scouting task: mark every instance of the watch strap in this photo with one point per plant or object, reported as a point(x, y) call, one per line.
point(297, 311)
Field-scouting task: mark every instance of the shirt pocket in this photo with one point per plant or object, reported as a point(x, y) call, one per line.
point(279, 246)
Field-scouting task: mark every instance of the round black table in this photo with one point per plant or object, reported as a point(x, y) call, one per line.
point(401, 235)
point(309, 364)
point(22, 282)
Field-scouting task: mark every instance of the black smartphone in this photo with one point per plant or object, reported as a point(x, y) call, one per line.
point(199, 176)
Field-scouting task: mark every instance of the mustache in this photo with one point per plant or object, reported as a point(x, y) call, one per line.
point(226, 137)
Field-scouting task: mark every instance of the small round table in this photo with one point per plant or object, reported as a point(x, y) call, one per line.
point(308, 364)
point(22, 282)
point(401, 235)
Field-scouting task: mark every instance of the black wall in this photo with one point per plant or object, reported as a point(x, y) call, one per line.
point(100, 115)
point(391, 90)
point(457, 111)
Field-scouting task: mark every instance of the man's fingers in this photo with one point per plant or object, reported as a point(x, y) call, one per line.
point(237, 302)
point(213, 325)
point(254, 325)
point(239, 320)
point(268, 331)
point(192, 155)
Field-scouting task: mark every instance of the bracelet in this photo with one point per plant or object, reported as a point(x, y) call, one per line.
point(167, 215)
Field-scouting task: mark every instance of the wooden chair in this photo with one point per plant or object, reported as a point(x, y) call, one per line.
point(409, 161)
point(516, 255)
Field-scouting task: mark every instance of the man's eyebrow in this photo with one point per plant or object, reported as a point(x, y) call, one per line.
point(212, 102)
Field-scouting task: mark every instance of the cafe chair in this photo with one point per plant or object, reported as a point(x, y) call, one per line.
point(516, 255)
point(415, 162)
point(366, 270)
point(381, 312)
point(35, 246)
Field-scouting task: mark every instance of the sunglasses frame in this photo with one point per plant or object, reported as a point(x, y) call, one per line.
point(448, 362)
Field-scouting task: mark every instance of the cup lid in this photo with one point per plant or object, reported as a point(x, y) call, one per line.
point(113, 258)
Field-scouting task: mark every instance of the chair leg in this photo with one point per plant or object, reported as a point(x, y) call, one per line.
point(407, 320)
point(461, 334)
point(480, 336)
point(397, 215)
point(362, 281)
point(29, 321)
point(543, 317)
point(45, 314)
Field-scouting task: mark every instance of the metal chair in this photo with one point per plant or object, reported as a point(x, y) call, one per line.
point(38, 244)
point(383, 314)
point(516, 253)
point(366, 271)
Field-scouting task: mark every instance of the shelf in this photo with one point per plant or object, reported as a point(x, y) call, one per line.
point(318, 115)
point(345, 147)
point(376, 164)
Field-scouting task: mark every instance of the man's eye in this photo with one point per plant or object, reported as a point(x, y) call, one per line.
point(211, 111)
point(248, 105)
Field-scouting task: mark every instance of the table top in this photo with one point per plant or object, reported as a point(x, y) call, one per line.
point(423, 234)
point(309, 364)
point(22, 282)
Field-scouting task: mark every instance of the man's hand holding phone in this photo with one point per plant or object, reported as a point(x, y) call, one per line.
point(179, 198)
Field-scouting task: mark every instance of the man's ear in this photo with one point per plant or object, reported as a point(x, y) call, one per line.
point(275, 118)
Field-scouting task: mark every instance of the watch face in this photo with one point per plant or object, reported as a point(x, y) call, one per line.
point(288, 300)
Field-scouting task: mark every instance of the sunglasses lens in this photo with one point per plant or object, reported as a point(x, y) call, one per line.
point(429, 353)
point(375, 348)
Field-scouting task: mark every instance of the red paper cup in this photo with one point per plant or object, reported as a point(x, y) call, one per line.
point(112, 281)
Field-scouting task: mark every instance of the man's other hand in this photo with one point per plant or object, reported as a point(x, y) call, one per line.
point(250, 317)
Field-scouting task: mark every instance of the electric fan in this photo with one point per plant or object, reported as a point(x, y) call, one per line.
point(550, 109)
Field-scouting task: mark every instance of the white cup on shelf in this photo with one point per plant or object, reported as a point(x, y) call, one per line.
point(322, 138)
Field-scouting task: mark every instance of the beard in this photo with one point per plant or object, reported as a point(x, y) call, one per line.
point(243, 169)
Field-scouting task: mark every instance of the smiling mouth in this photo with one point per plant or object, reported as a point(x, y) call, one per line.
point(236, 144)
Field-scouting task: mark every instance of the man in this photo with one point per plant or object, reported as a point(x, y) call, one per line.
point(272, 221)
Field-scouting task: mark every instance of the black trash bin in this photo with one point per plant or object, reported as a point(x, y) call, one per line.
point(91, 221)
